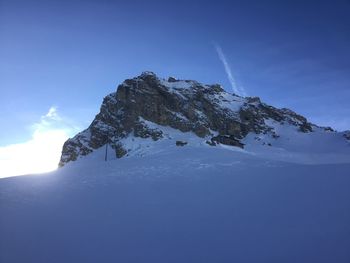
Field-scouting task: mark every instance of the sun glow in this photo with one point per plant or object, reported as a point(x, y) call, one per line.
point(41, 153)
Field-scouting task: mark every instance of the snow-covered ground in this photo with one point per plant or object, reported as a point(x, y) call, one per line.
point(288, 202)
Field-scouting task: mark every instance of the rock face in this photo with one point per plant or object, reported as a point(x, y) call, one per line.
point(186, 105)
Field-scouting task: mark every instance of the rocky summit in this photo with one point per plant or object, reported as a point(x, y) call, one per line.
point(142, 106)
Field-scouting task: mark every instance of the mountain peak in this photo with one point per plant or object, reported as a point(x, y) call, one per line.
point(147, 106)
point(148, 73)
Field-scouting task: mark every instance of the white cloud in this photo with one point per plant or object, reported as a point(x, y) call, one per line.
point(52, 114)
point(236, 89)
point(42, 152)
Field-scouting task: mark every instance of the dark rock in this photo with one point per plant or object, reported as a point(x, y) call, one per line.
point(329, 129)
point(201, 130)
point(217, 88)
point(172, 79)
point(253, 100)
point(305, 127)
point(119, 150)
point(211, 143)
point(227, 140)
point(275, 136)
point(141, 130)
point(180, 143)
point(73, 148)
point(268, 144)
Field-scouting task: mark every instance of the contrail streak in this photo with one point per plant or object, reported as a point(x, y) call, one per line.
point(237, 90)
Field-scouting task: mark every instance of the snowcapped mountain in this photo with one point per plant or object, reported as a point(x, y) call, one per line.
point(147, 110)
point(193, 174)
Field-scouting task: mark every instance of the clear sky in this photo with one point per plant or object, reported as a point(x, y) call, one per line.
point(58, 59)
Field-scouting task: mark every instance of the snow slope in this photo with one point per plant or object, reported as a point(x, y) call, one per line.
point(196, 203)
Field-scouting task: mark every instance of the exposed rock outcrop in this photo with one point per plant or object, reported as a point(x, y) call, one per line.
point(227, 140)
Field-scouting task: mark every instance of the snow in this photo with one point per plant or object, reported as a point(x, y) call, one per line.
point(183, 204)
point(288, 202)
point(229, 101)
point(84, 138)
point(102, 126)
point(140, 147)
point(179, 116)
point(319, 147)
point(178, 84)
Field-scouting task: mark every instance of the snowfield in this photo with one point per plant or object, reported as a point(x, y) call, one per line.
point(288, 202)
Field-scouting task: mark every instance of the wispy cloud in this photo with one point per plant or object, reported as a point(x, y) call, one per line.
point(52, 114)
point(42, 152)
point(236, 88)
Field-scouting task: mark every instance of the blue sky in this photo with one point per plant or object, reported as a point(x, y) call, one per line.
point(65, 56)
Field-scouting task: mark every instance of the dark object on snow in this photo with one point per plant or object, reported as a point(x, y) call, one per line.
point(180, 143)
point(227, 140)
